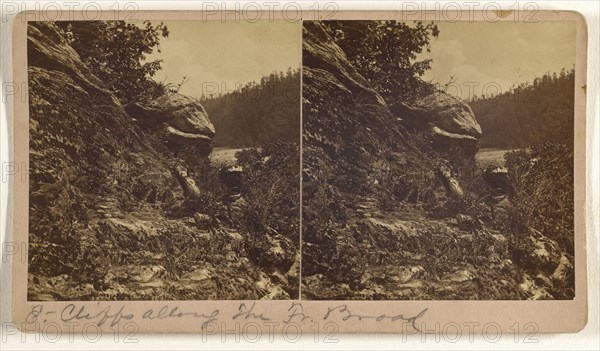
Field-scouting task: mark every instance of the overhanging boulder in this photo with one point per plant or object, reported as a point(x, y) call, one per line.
point(449, 121)
point(181, 118)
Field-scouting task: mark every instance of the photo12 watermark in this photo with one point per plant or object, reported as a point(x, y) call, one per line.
point(234, 11)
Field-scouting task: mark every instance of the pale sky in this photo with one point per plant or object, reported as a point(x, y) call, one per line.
point(227, 54)
point(488, 54)
point(501, 52)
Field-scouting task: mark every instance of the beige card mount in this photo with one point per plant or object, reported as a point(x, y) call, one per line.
point(365, 172)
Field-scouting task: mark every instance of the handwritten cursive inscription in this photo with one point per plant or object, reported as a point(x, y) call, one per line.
point(114, 314)
point(71, 313)
point(296, 314)
point(248, 313)
point(344, 312)
point(167, 312)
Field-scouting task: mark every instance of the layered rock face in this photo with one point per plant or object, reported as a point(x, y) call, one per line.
point(87, 160)
point(347, 123)
point(102, 187)
point(351, 126)
point(48, 51)
point(66, 95)
point(79, 131)
point(114, 214)
point(448, 121)
point(319, 52)
point(353, 151)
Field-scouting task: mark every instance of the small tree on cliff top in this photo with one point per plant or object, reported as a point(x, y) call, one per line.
point(116, 51)
point(385, 53)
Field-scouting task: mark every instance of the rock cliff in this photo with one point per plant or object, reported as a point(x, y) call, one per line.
point(80, 134)
point(112, 208)
point(384, 216)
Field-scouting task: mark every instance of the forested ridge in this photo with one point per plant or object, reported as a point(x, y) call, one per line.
point(530, 114)
point(257, 113)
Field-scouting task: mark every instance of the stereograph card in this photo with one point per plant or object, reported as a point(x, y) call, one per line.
point(355, 172)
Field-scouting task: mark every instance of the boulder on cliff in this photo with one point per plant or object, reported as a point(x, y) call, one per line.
point(449, 121)
point(108, 209)
point(353, 152)
point(181, 118)
point(75, 119)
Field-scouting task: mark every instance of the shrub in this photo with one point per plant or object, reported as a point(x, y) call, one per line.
point(56, 214)
point(542, 192)
point(116, 51)
point(385, 53)
point(272, 189)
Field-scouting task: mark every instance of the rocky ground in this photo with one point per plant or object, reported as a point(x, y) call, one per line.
point(171, 259)
point(416, 256)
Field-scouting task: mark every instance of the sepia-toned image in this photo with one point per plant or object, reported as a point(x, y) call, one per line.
point(232, 172)
point(164, 160)
point(438, 160)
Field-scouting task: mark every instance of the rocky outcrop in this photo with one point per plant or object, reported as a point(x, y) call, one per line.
point(353, 149)
point(113, 214)
point(76, 120)
point(538, 253)
point(371, 170)
point(47, 50)
point(319, 52)
point(451, 114)
point(84, 153)
point(182, 119)
point(361, 116)
point(449, 121)
point(345, 118)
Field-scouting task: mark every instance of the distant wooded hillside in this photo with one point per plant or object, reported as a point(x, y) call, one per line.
point(530, 114)
point(258, 113)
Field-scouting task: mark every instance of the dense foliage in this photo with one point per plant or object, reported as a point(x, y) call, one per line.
point(272, 179)
point(385, 53)
point(381, 219)
point(116, 51)
point(258, 113)
point(542, 181)
point(529, 114)
point(268, 214)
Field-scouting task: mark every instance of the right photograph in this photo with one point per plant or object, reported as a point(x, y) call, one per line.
point(438, 160)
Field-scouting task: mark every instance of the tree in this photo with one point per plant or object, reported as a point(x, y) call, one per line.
point(385, 53)
point(116, 51)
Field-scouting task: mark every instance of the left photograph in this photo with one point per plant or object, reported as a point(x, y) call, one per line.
point(164, 160)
